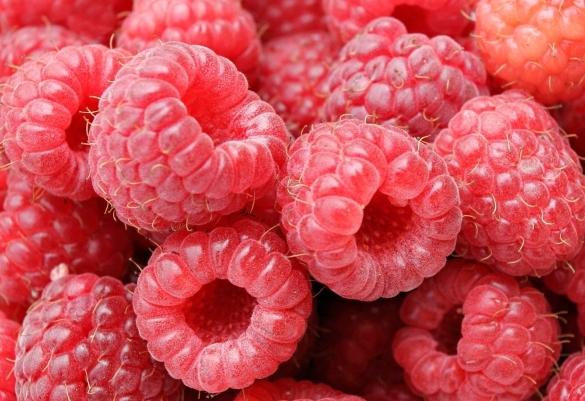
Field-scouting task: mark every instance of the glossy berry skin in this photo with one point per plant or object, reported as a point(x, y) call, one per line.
point(80, 342)
point(369, 209)
point(509, 337)
point(521, 184)
point(46, 107)
point(388, 76)
point(537, 46)
point(224, 308)
point(221, 25)
point(291, 390)
point(293, 70)
point(567, 384)
point(39, 232)
point(8, 332)
point(180, 140)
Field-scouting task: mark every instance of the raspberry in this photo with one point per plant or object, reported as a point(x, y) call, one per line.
point(509, 338)
point(8, 333)
point(571, 118)
point(293, 68)
point(369, 209)
point(222, 25)
point(39, 232)
point(386, 75)
point(567, 385)
point(290, 390)
point(382, 391)
point(521, 185)
point(46, 110)
point(286, 17)
point(538, 46)
point(179, 140)
point(80, 342)
point(222, 309)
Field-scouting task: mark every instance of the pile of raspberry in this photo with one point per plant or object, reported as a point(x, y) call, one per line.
point(292, 200)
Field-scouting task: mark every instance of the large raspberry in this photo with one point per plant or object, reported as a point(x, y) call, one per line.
point(521, 185)
point(371, 210)
point(290, 390)
point(46, 110)
point(568, 384)
point(386, 75)
point(509, 338)
point(538, 46)
point(222, 25)
point(8, 332)
point(179, 139)
point(38, 232)
point(222, 309)
point(80, 342)
point(293, 69)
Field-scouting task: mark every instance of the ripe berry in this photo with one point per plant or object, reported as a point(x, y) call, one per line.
point(509, 338)
point(388, 76)
point(179, 140)
point(222, 309)
point(290, 390)
point(567, 384)
point(80, 342)
point(8, 332)
point(521, 185)
point(369, 209)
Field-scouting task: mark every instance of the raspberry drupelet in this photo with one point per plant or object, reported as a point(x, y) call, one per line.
point(509, 337)
point(45, 113)
point(224, 308)
point(389, 76)
point(521, 185)
point(291, 390)
point(371, 210)
point(8, 332)
point(567, 384)
point(180, 139)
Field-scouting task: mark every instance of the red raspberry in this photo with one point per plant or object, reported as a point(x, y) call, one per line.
point(80, 342)
point(380, 390)
point(290, 390)
point(286, 17)
point(222, 25)
point(521, 184)
point(509, 338)
point(8, 332)
point(537, 45)
point(371, 210)
point(571, 118)
point(293, 69)
point(222, 309)
point(179, 140)
point(386, 75)
point(567, 385)
point(39, 232)
point(45, 114)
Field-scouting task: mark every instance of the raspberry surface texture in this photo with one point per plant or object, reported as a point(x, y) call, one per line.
point(567, 385)
point(222, 309)
point(537, 46)
point(509, 338)
point(521, 184)
point(388, 76)
point(80, 342)
point(371, 210)
point(292, 73)
point(45, 113)
point(221, 25)
point(8, 332)
point(291, 390)
point(180, 140)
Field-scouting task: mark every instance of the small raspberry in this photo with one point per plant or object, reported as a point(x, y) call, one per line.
point(8, 332)
point(521, 185)
point(222, 309)
point(567, 385)
point(386, 75)
point(293, 69)
point(179, 140)
point(538, 46)
point(80, 342)
point(509, 338)
point(291, 390)
point(222, 25)
point(46, 110)
point(371, 210)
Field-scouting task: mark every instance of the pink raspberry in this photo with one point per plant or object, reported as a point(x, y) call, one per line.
point(369, 209)
point(290, 390)
point(80, 342)
point(567, 384)
point(509, 338)
point(521, 185)
point(222, 309)
point(388, 76)
point(8, 332)
point(292, 72)
point(39, 232)
point(180, 139)
point(46, 111)
point(222, 25)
